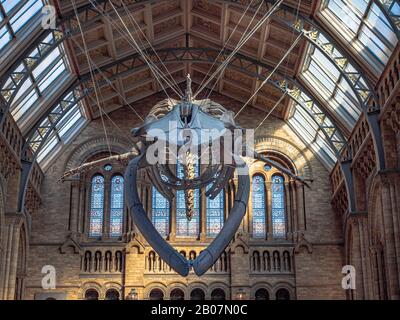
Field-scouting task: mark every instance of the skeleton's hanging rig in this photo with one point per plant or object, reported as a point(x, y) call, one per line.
point(188, 163)
point(201, 114)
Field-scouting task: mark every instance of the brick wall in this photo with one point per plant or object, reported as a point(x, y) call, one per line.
point(316, 274)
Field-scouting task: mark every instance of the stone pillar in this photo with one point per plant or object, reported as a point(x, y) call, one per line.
point(172, 220)
point(300, 207)
point(390, 208)
point(294, 211)
point(288, 212)
point(82, 213)
point(240, 269)
point(134, 268)
point(13, 229)
point(203, 215)
point(357, 254)
point(74, 206)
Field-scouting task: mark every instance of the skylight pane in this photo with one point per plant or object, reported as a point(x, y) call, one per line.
point(5, 37)
point(364, 26)
point(55, 54)
point(8, 5)
point(326, 81)
point(69, 120)
point(308, 131)
point(52, 75)
point(24, 105)
point(25, 14)
point(25, 86)
point(49, 146)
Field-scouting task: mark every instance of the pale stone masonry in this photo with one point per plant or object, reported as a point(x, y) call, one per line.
point(316, 254)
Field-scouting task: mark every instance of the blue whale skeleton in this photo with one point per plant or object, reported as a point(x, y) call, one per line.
point(190, 117)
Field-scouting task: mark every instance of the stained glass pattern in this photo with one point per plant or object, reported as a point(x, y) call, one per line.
point(278, 207)
point(96, 207)
point(160, 212)
point(215, 214)
point(184, 227)
point(259, 207)
point(117, 206)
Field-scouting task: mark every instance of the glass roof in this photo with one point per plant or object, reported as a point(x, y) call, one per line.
point(364, 26)
point(323, 78)
point(18, 13)
point(47, 72)
point(312, 136)
point(359, 24)
point(70, 125)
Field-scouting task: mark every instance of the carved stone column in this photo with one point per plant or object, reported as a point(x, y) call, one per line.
point(172, 220)
point(358, 254)
point(203, 215)
point(12, 243)
point(74, 206)
point(390, 182)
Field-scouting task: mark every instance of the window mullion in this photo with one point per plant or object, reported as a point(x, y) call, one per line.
point(363, 19)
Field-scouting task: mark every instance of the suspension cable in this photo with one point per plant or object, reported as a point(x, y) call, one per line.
point(241, 38)
point(158, 75)
point(132, 18)
point(272, 110)
point(109, 82)
point(241, 43)
point(285, 72)
point(272, 73)
point(92, 76)
point(225, 44)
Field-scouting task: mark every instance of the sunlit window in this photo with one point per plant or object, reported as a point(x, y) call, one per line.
point(43, 78)
point(96, 213)
point(278, 206)
point(365, 27)
point(215, 214)
point(311, 135)
point(117, 205)
point(65, 130)
point(18, 14)
point(327, 81)
point(259, 207)
point(160, 212)
point(184, 226)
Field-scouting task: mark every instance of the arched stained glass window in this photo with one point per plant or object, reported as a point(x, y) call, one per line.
point(96, 207)
point(215, 214)
point(259, 208)
point(184, 227)
point(160, 212)
point(117, 206)
point(278, 207)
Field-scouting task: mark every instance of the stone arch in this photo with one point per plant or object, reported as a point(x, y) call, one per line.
point(199, 285)
point(239, 249)
point(260, 285)
point(286, 149)
point(178, 285)
point(113, 286)
point(283, 285)
point(93, 146)
point(92, 285)
point(155, 285)
point(219, 285)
